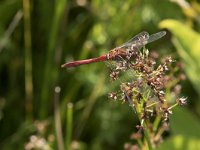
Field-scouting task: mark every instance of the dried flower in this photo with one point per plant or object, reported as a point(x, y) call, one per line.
point(129, 146)
point(113, 95)
point(182, 101)
point(146, 91)
point(136, 136)
point(114, 75)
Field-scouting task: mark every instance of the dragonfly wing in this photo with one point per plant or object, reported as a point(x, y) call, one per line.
point(156, 36)
point(137, 41)
point(142, 39)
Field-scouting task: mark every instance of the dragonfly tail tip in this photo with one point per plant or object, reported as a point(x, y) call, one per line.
point(63, 65)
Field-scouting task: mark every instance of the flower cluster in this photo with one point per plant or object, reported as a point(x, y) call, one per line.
point(37, 140)
point(145, 91)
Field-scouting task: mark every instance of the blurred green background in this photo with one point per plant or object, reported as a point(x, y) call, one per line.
point(55, 108)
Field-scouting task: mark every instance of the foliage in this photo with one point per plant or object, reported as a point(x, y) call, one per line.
point(187, 47)
point(62, 108)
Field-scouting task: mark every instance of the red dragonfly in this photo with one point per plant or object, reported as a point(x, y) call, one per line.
point(125, 51)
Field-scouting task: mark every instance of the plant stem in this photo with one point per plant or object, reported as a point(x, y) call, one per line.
point(58, 126)
point(145, 128)
point(69, 125)
point(156, 123)
point(173, 106)
point(147, 137)
point(28, 59)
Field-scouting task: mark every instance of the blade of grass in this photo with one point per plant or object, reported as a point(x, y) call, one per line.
point(49, 69)
point(57, 117)
point(28, 59)
point(69, 125)
point(18, 16)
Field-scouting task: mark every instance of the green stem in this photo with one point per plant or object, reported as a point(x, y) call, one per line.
point(147, 137)
point(69, 125)
point(156, 123)
point(152, 104)
point(145, 129)
point(28, 59)
point(57, 119)
point(173, 106)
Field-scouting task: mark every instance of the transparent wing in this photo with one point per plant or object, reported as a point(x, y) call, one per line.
point(138, 40)
point(142, 39)
point(156, 36)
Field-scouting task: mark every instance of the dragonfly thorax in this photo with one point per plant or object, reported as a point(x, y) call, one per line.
point(122, 53)
point(116, 53)
point(131, 52)
point(140, 41)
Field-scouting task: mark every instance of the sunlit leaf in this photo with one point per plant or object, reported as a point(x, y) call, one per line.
point(180, 142)
point(187, 43)
point(184, 122)
point(185, 129)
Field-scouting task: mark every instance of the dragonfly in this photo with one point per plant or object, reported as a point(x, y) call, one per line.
point(125, 51)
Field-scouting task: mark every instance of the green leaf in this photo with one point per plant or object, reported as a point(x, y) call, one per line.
point(186, 132)
point(180, 142)
point(184, 122)
point(187, 43)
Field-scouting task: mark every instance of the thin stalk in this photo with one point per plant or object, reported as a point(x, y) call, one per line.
point(152, 104)
point(70, 93)
point(156, 123)
point(28, 60)
point(159, 133)
point(145, 128)
point(147, 137)
point(69, 125)
point(140, 143)
point(173, 106)
point(58, 126)
point(11, 28)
